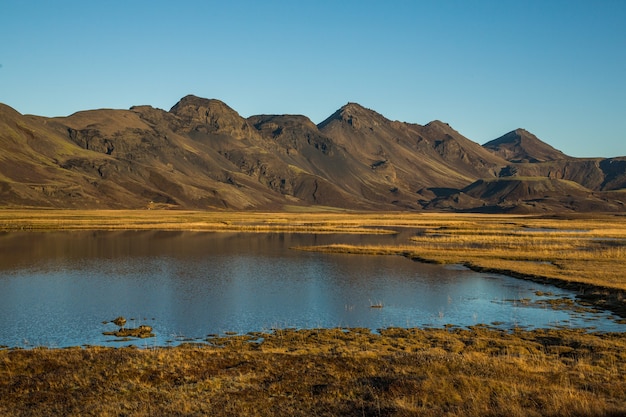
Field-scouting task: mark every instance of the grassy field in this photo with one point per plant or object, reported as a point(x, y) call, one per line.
point(405, 372)
point(331, 372)
point(215, 221)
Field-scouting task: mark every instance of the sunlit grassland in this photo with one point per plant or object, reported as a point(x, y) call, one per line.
point(215, 221)
point(295, 218)
point(595, 257)
point(329, 372)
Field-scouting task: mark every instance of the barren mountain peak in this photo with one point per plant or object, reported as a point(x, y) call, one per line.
point(441, 127)
point(197, 102)
point(521, 145)
point(354, 115)
point(516, 135)
point(210, 116)
point(438, 123)
point(352, 106)
point(357, 109)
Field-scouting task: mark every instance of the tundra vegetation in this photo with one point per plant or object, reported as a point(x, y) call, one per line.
point(477, 371)
point(329, 372)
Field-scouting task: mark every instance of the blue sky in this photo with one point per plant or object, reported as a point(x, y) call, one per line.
point(555, 68)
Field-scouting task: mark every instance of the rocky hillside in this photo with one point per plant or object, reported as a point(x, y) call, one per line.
point(522, 146)
point(201, 154)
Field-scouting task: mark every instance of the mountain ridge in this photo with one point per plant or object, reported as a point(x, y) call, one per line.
point(202, 154)
point(519, 145)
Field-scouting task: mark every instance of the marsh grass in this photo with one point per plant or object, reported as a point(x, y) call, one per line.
point(425, 372)
point(585, 257)
point(253, 222)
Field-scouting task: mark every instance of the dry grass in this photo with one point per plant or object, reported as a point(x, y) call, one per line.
point(217, 221)
point(404, 372)
point(295, 220)
point(587, 257)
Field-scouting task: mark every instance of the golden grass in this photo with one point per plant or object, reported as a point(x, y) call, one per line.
point(294, 222)
point(580, 257)
point(404, 372)
point(294, 217)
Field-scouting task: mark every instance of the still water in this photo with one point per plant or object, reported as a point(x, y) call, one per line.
point(59, 288)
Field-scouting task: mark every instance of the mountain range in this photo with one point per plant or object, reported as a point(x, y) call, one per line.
point(201, 154)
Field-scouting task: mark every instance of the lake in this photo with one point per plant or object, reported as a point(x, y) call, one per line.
point(60, 289)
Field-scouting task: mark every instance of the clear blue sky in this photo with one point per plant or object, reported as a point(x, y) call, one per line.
point(555, 68)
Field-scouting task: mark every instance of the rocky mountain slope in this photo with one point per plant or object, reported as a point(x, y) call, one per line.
point(522, 146)
point(201, 154)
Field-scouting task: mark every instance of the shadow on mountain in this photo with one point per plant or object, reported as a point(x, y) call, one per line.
point(201, 154)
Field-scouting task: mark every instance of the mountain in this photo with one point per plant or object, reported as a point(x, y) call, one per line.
point(522, 146)
point(409, 156)
point(531, 195)
point(530, 157)
point(201, 154)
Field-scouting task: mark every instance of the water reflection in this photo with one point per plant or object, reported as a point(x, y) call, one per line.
point(57, 288)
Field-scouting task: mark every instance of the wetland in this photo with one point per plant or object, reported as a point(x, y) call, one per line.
point(317, 313)
point(58, 287)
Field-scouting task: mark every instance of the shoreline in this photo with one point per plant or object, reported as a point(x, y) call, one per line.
point(605, 298)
